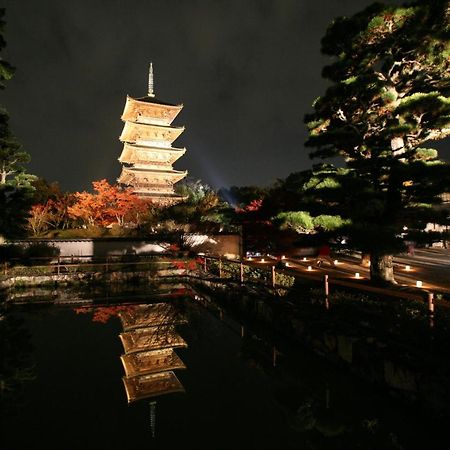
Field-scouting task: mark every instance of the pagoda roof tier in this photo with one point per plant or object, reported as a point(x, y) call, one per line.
point(141, 134)
point(138, 154)
point(142, 177)
point(149, 110)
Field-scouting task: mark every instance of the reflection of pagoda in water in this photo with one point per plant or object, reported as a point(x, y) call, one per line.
point(147, 154)
point(149, 360)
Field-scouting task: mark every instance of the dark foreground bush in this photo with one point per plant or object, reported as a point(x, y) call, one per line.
point(40, 253)
point(10, 251)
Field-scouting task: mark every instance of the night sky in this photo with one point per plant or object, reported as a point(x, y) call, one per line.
point(245, 70)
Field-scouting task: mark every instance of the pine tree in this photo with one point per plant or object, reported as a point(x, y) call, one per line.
point(15, 184)
point(389, 95)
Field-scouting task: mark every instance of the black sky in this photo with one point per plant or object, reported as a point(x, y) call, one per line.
point(245, 70)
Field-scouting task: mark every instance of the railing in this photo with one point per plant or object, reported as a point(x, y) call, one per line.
point(278, 276)
point(237, 270)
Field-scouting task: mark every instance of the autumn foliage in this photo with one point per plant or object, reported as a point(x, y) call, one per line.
point(102, 314)
point(51, 214)
point(107, 205)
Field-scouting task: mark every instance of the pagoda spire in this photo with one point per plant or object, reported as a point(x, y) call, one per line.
point(150, 81)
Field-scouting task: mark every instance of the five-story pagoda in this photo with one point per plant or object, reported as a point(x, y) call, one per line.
point(147, 156)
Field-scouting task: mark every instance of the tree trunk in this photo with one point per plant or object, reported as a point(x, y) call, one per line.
point(382, 268)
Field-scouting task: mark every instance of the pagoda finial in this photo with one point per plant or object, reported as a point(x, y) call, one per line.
point(150, 81)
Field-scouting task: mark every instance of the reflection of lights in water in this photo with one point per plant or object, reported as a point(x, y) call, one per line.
point(419, 284)
point(153, 418)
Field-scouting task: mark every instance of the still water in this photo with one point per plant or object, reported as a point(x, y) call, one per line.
point(243, 389)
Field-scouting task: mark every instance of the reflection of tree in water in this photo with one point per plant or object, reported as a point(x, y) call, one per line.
point(16, 366)
point(102, 314)
point(310, 408)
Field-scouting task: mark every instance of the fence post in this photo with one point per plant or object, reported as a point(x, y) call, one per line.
point(273, 277)
point(431, 308)
point(242, 273)
point(204, 264)
point(220, 267)
point(59, 265)
point(327, 291)
point(430, 303)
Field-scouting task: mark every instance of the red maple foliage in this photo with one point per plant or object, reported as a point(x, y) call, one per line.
point(254, 205)
point(188, 265)
point(109, 204)
point(102, 314)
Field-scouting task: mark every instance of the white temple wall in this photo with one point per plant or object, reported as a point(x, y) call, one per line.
point(228, 245)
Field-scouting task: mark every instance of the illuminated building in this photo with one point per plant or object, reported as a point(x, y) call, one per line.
point(148, 156)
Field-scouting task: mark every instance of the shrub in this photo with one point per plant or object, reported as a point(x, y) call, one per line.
point(41, 250)
point(10, 251)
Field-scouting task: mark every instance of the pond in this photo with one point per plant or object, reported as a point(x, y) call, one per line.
point(241, 388)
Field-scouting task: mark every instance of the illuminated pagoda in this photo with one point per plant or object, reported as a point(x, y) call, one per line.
point(148, 156)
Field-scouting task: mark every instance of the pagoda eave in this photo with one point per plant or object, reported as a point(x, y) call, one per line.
point(148, 111)
point(135, 176)
point(137, 154)
point(137, 133)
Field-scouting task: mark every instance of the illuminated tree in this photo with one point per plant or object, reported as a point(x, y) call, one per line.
point(389, 96)
point(109, 204)
point(38, 219)
point(201, 209)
